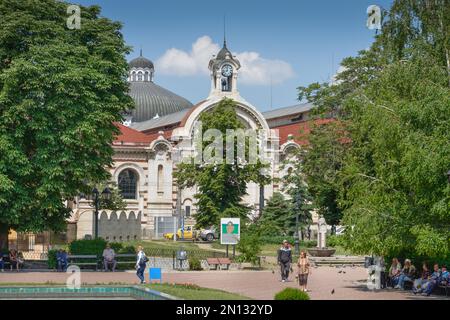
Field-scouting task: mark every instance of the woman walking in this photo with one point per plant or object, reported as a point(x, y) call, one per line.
point(141, 264)
point(303, 270)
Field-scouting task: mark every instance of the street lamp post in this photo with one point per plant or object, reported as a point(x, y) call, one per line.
point(106, 194)
point(296, 234)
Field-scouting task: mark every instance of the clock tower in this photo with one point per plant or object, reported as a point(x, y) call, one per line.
point(224, 71)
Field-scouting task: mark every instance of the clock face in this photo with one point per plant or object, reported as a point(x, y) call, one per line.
point(227, 70)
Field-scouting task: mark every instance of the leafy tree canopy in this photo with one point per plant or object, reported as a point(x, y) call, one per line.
point(393, 101)
point(221, 186)
point(61, 91)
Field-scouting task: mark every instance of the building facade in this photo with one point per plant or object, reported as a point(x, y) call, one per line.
point(158, 131)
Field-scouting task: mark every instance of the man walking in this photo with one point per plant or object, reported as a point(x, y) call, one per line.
point(285, 260)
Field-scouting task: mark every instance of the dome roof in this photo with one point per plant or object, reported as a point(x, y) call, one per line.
point(151, 100)
point(224, 52)
point(141, 62)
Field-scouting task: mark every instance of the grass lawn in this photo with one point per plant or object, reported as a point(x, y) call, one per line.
point(193, 292)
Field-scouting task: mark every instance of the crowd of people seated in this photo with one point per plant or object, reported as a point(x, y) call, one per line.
point(423, 283)
point(15, 259)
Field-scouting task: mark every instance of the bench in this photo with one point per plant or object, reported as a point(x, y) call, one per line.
point(123, 258)
point(224, 261)
point(213, 262)
point(7, 262)
point(219, 262)
point(83, 260)
point(444, 288)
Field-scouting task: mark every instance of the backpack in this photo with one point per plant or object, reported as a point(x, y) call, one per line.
point(144, 259)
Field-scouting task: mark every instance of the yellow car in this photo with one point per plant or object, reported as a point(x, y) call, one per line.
point(189, 234)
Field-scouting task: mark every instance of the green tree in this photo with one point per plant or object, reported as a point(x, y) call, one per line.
point(393, 101)
point(322, 164)
point(61, 91)
point(221, 186)
point(277, 216)
point(295, 186)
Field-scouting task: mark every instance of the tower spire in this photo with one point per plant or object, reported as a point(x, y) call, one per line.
point(224, 32)
point(141, 51)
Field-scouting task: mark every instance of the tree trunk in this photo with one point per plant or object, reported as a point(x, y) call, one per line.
point(4, 231)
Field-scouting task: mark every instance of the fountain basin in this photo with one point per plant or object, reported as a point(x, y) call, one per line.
point(321, 252)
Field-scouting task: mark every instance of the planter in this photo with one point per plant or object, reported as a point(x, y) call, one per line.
point(317, 252)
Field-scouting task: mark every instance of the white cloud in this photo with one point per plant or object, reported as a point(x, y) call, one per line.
point(255, 70)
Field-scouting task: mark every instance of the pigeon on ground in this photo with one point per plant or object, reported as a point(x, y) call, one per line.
point(340, 271)
point(332, 291)
point(273, 271)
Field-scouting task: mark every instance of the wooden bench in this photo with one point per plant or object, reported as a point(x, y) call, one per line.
point(224, 261)
point(213, 262)
point(83, 260)
point(123, 258)
point(216, 262)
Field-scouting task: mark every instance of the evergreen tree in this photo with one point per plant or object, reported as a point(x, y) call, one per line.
point(277, 216)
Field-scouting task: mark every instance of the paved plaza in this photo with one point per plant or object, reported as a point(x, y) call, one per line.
point(254, 284)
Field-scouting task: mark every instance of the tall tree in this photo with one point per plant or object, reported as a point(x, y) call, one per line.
point(61, 91)
point(295, 187)
point(393, 100)
point(278, 216)
point(322, 164)
point(221, 186)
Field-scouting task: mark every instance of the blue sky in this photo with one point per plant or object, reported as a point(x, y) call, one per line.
point(294, 42)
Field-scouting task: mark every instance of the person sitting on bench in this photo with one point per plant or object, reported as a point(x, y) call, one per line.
point(420, 282)
point(408, 274)
point(61, 258)
point(14, 259)
point(394, 272)
point(109, 258)
point(445, 276)
point(433, 282)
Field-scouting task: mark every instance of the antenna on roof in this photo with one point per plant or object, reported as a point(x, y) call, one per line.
point(224, 32)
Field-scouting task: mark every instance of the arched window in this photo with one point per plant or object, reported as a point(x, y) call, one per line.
point(133, 76)
point(128, 184)
point(147, 76)
point(160, 178)
point(140, 76)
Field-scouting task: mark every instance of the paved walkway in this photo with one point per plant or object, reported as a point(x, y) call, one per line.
point(254, 284)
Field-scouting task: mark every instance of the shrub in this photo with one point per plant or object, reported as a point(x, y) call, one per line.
point(195, 264)
point(87, 247)
point(335, 241)
point(51, 262)
point(250, 247)
point(291, 294)
point(127, 249)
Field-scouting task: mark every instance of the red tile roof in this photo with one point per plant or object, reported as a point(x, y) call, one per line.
point(300, 131)
point(131, 136)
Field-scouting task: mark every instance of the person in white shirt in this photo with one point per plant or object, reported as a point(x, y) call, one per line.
point(141, 264)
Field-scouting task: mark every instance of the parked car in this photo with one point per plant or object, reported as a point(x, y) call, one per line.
point(189, 234)
point(209, 234)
